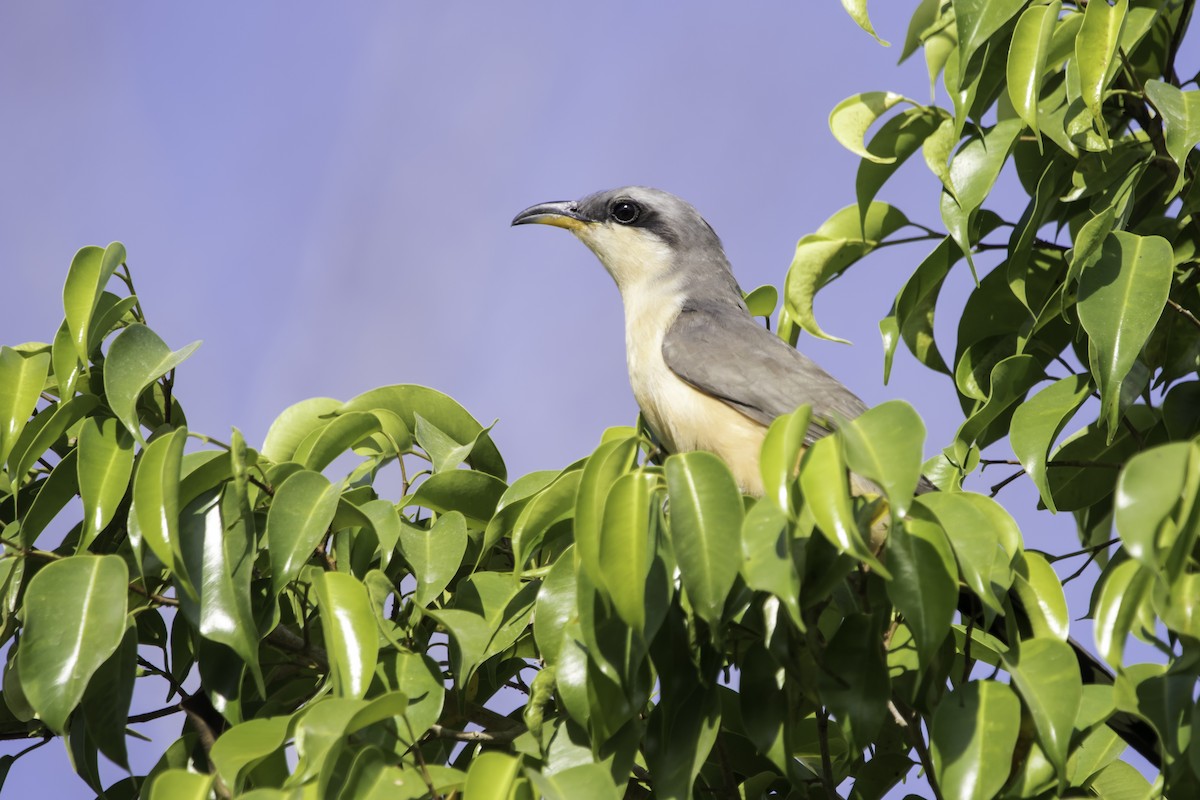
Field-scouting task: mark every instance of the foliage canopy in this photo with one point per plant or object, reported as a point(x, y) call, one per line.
point(630, 627)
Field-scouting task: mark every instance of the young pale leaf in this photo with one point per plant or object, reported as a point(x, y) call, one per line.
point(767, 564)
point(1120, 300)
point(156, 495)
point(924, 585)
point(300, 514)
point(984, 537)
point(246, 744)
point(295, 424)
point(1181, 117)
point(178, 783)
point(74, 620)
point(706, 523)
point(1125, 587)
point(351, 637)
point(89, 273)
point(1027, 57)
point(434, 554)
point(884, 445)
point(1038, 421)
point(609, 462)
point(826, 492)
point(22, 378)
point(978, 20)
point(104, 466)
point(851, 118)
point(1149, 489)
point(1096, 52)
point(857, 9)
point(136, 359)
point(627, 545)
point(1041, 596)
point(896, 140)
point(1046, 674)
point(492, 776)
point(974, 731)
point(780, 456)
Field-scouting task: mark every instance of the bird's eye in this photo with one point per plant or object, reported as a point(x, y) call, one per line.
point(626, 212)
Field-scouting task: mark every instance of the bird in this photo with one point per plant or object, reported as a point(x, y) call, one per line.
point(705, 374)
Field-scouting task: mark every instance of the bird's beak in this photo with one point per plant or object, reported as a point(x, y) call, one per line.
point(561, 214)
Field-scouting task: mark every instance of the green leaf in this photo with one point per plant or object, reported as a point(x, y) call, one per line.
point(826, 492)
point(474, 494)
point(66, 365)
point(322, 446)
point(1041, 596)
point(580, 782)
point(627, 544)
point(973, 173)
point(1037, 422)
point(883, 444)
point(761, 302)
point(609, 462)
point(1180, 112)
point(1096, 52)
point(44, 430)
point(136, 359)
point(547, 508)
point(1125, 587)
point(556, 607)
point(434, 553)
point(820, 257)
point(295, 424)
point(74, 620)
point(912, 313)
point(780, 456)
point(180, 784)
point(978, 20)
point(1046, 674)
point(1120, 300)
point(156, 495)
point(492, 776)
point(706, 522)
point(854, 680)
point(972, 737)
point(896, 140)
point(89, 273)
point(924, 585)
point(22, 379)
point(1149, 490)
point(299, 517)
point(851, 118)
point(1010, 380)
point(1027, 56)
point(857, 9)
point(491, 611)
point(444, 451)
point(241, 747)
point(984, 537)
point(351, 638)
point(922, 21)
point(767, 564)
point(107, 699)
point(104, 466)
point(53, 495)
point(407, 400)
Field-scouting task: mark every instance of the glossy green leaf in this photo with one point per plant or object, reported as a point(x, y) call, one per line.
point(911, 317)
point(181, 784)
point(1046, 674)
point(978, 20)
point(627, 544)
point(491, 777)
point(323, 445)
point(299, 517)
point(90, 271)
point(857, 9)
point(609, 462)
point(1041, 595)
point(826, 491)
point(1077, 487)
point(1180, 112)
point(1010, 379)
point(761, 302)
point(407, 400)
point(556, 606)
point(136, 359)
point(156, 495)
point(104, 466)
point(1037, 423)
point(1117, 609)
point(706, 523)
point(110, 311)
point(1027, 56)
point(972, 737)
point(851, 118)
point(53, 495)
point(767, 564)
point(1096, 51)
point(22, 379)
point(351, 638)
point(107, 699)
point(1120, 300)
point(241, 747)
point(66, 366)
point(1150, 487)
point(319, 734)
point(897, 139)
point(936, 151)
point(984, 538)
point(580, 782)
point(883, 444)
point(491, 611)
point(548, 507)
point(780, 456)
point(924, 585)
point(44, 430)
point(474, 494)
point(74, 620)
point(295, 424)
point(973, 173)
point(434, 553)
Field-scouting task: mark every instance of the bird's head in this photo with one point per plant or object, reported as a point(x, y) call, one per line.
point(643, 237)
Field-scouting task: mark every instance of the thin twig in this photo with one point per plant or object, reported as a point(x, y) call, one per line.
point(1187, 314)
point(918, 743)
point(478, 737)
point(826, 761)
point(996, 489)
point(158, 598)
point(1084, 552)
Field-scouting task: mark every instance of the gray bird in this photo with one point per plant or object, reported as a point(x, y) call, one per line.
point(705, 375)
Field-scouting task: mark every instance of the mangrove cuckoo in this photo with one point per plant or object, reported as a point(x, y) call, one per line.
point(706, 375)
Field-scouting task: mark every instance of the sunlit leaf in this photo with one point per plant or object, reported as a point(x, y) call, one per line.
point(1038, 421)
point(851, 118)
point(351, 638)
point(1096, 51)
point(1046, 674)
point(21, 381)
point(972, 738)
point(136, 359)
point(299, 517)
point(104, 466)
point(1027, 57)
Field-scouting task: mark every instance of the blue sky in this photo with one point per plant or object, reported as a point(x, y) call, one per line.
point(322, 193)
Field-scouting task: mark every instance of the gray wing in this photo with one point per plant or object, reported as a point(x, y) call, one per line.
point(723, 352)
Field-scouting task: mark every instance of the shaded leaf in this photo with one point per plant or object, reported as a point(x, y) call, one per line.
point(104, 465)
point(1038, 421)
point(1181, 117)
point(434, 553)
